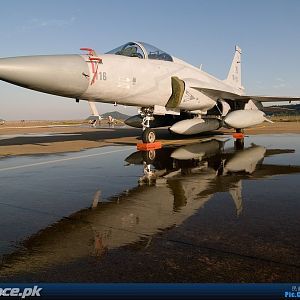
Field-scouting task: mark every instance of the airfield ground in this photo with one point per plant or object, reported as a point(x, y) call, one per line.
point(38, 137)
point(69, 217)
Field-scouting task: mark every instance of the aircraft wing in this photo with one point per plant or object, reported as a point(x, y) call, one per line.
point(231, 96)
point(269, 98)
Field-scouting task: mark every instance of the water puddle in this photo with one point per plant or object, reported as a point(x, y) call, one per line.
point(60, 208)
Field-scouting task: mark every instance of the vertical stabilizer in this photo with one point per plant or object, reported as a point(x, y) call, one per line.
point(234, 77)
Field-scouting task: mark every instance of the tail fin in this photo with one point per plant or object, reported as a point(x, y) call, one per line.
point(234, 77)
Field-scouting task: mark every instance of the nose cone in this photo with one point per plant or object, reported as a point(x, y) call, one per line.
point(54, 74)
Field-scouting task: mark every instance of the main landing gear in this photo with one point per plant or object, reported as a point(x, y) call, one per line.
point(148, 135)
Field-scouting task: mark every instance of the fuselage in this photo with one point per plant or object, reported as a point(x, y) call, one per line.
point(121, 79)
point(142, 82)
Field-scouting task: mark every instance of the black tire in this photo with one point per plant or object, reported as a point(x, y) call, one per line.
point(149, 156)
point(148, 136)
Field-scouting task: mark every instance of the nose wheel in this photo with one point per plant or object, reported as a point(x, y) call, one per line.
point(148, 135)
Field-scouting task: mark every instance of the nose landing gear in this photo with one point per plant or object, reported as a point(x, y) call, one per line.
point(148, 135)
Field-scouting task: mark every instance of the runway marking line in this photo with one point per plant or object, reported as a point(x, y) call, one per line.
point(62, 160)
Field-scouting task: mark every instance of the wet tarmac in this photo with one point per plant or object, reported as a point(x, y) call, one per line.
point(210, 211)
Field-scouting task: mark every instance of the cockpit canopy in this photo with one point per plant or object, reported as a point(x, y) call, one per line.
point(141, 50)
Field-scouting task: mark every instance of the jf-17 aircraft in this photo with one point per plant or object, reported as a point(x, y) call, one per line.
point(167, 90)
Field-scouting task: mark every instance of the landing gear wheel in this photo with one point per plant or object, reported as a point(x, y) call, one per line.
point(148, 136)
point(149, 156)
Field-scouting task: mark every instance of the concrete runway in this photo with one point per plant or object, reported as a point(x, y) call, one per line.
point(43, 140)
point(205, 213)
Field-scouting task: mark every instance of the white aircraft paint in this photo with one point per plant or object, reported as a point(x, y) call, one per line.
point(139, 74)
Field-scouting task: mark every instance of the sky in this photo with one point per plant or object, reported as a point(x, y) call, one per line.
point(199, 32)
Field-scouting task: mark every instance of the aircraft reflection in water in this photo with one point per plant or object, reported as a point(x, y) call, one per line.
point(182, 181)
point(198, 171)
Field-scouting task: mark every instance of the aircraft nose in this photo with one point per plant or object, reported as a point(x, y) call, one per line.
point(63, 75)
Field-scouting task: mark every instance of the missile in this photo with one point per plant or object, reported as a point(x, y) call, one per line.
point(245, 118)
point(194, 126)
point(63, 75)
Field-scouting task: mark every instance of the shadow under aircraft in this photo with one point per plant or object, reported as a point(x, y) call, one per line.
point(175, 183)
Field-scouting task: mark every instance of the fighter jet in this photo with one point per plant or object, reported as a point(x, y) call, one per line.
point(167, 90)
